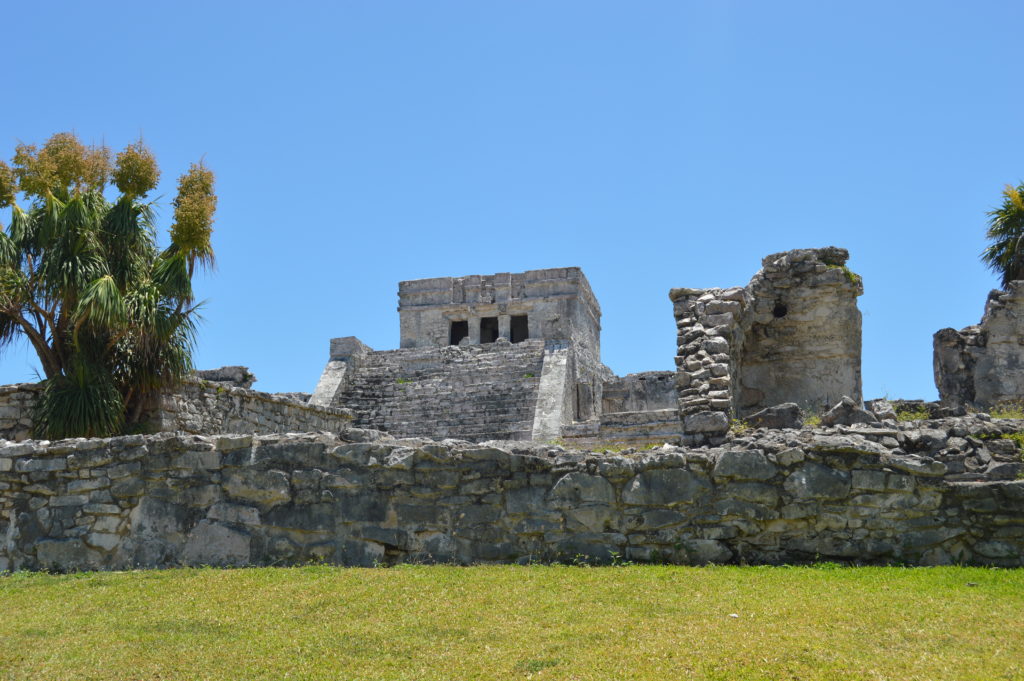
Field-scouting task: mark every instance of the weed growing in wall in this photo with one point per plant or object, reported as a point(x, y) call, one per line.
point(919, 414)
point(850, 274)
point(738, 427)
point(1008, 410)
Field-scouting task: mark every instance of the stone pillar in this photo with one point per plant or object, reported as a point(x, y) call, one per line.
point(505, 326)
point(474, 330)
point(791, 335)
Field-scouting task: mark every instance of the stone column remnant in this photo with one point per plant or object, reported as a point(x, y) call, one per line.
point(793, 334)
point(982, 365)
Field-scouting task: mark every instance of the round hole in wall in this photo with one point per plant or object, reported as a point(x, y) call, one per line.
point(780, 310)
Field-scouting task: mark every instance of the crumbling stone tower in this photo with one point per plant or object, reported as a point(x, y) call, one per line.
point(983, 365)
point(793, 334)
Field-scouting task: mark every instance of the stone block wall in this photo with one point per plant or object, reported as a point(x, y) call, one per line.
point(930, 493)
point(474, 392)
point(199, 407)
point(16, 404)
point(983, 365)
point(625, 428)
point(558, 303)
point(793, 334)
point(647, 391)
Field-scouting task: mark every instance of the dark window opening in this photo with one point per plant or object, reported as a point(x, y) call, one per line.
point(520, 329)
point(458, 331)
point(780, 310)
point(488, 329)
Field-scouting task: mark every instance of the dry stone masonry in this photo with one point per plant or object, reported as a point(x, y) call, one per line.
point(198, 407)
point(16, 404)
point(931, 492)
point(205, 408)
point(792, 335)
point(510, 365)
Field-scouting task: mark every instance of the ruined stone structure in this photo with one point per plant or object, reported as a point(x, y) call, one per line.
point(500, 357)
point(982, 366)
point(920, 492)
point(792, 335)
point(198, 407)
point(516, 357)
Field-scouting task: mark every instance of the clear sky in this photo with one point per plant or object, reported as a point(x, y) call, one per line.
point(653, 144)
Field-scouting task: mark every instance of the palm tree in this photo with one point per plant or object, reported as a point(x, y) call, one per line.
point(111, 317)
point(1005, 255)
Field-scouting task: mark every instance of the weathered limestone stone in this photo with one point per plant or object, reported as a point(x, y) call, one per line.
point(780, 416)
point(792, 335)
point(882, 409)
point(706, 422)
point(63, 555)
point(214, 544)
point(744, 465)
point(766, 496)
point(267, 488)
point(665, 487)
point(982, 366)
point(846, 412)
point(814, 481)
point(236, 376)
point(510, 356)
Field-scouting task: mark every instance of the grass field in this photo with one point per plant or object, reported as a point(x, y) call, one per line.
point(541, 622)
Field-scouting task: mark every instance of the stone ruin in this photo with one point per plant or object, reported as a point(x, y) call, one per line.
point(982, 366)
point(360, 472)
point(792, 335)
point(516, 356)
point(498, 357)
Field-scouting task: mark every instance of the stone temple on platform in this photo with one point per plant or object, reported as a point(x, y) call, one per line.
point(503, 356)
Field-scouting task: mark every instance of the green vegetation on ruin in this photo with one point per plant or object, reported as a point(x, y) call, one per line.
point(510, 622)
point(1008, 410)
point(918, 414)
point(852, 276)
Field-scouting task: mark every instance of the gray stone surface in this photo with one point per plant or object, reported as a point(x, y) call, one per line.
point(846, 412)
point(544, 381)
point(558, 303)
point(780, 416)
point(983, 366)
point(198, 407)
point(233, 376)
point(201, 407)
point(942, 490)
point(16, 404)
point(792, 335)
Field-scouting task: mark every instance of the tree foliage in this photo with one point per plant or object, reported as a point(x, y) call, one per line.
point(1005, 253)
point(110, 315)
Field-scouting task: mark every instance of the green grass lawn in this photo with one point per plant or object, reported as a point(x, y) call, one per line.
point(541, 622)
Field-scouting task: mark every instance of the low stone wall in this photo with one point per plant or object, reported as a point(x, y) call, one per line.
point(199, 407)
point(632, 428)
point(926, 493)
point(16, 404)
point(647, 391)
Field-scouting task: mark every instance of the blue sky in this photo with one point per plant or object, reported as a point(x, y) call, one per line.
point(653, 144)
